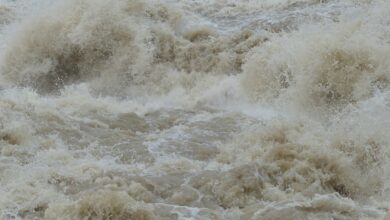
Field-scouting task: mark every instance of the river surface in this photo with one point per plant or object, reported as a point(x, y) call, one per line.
point(195, 109)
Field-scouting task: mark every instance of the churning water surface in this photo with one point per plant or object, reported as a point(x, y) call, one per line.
point(194, 109)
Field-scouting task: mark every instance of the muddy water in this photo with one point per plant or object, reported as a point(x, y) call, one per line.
point(222, 109)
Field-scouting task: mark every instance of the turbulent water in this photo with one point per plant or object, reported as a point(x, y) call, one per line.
point(195, 109)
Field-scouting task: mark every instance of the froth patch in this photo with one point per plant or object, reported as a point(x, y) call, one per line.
point(119, 47)
point(100, 205)
point(313, 69)
point(6, 14)
point(288, 156)
point(67, 51)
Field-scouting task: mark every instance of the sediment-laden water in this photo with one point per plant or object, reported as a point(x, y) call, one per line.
point(195, 109)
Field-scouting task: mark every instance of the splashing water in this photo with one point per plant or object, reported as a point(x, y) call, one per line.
point(167, 109)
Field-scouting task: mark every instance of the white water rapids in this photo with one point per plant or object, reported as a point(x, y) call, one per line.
point(194, 109)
